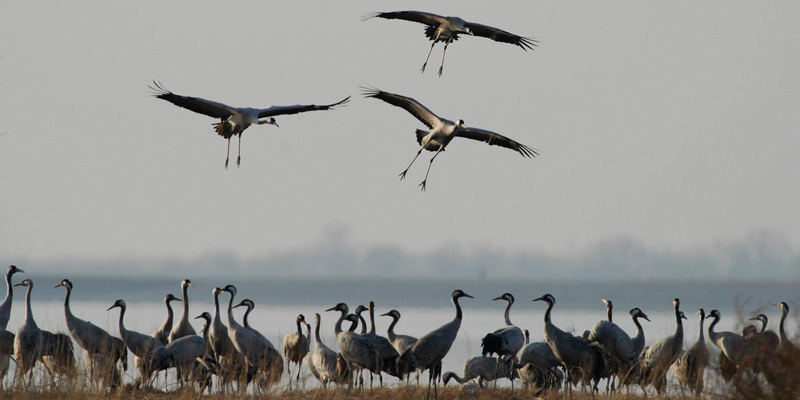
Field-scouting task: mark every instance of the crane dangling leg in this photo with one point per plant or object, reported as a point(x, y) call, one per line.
point(429, 56)
point(228, 156)
point(403, 174)
point(441, 67)
point(424, 181)
point(239, 157)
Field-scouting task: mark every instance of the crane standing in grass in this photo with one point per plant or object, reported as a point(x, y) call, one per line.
point(295, 348)
point(162, 333)
point(28, 340)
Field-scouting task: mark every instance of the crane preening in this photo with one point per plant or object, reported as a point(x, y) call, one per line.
point(446, 29)
point(234, 120)
point(442, 131)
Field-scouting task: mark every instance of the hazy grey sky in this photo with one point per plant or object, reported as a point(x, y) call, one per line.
point(675, 123)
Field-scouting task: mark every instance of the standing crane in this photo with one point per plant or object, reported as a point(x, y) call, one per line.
point(485, 369)
point(183, 327)
point(618, 345)
point(274, 361)
point(356, 350)
point(574, 353)
point(253, 349)
point(28, 340)
point(94, 340)
point(429, 351)
point(506, 341)
point(140, 345)
point(400, 342)
point(322, 360)
point(691, 365)
point(231, 362)
point(660, 356)
point(162, 333)
point(442, 131)
point(786, 346)
point(5, 316)
point(385, 349)
point(447, 30)
point(295, 347)
point(234, 120)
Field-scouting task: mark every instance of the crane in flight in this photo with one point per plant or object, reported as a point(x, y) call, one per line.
point(234, 120)
point(442, 131)
point(446, 29)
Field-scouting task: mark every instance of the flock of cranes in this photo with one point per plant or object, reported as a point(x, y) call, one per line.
point(233, 121)
point(231, 356)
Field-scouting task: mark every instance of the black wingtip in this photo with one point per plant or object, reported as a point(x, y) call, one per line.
point(340, 103)
point(528, 43)
point(158, 89)
point(370, 91)
point(370, 15)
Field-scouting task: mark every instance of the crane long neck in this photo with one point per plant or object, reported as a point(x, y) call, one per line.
point(216, 306)
point(458, 308)
point(678, 320)
point(507, 315)
point(390, 331)
point(317, 339)
point(363, 323)
point(547, 313)
point(67, 310)
point(338, 328)
point(299, 328)
point(231, 322)
point(9, 290)
point(122, 330)
point(28, 310)
point(246, 314)
point(763, 325)
point(371, 319)
point(702, 337)
point(781, 329)
point(609, 310)
point(169, 313)
point(711, 334)
point(185, 315)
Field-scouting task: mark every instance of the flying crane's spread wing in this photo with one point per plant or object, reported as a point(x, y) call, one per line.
point(296, 109)
point(496, 139)
point(499, 35)
point(416, 109)
point(413, 16)
point(196, 104)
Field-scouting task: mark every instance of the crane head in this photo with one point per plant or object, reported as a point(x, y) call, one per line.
point(206, 316)
point(547, 298)
point(608, 303)
point(65, 283)
point(25, 282)
point(676, 302)
point(458, 293)
point(506, 296)
point(638, 313)
point(782, 305)
point(171, 297)
point(301, 319)
point(13, 269)
point(242, 303)
point(360, 309)
point(460, 123)
point(392, 313)
point(682, 315)
point(714, 314)
point(119, 303)
point(230, 289)
point(341, 307)
point(249, 304)
point(186, 283)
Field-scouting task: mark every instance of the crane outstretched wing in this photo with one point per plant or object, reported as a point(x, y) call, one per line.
point(499, 35)
point(422, 17)
point(416, 109)
point(496, 139)
point(296, 109)
point(196, 104)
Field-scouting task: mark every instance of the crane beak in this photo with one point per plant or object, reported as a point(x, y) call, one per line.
point(177, 299)
point(59, 284)
point(22, 284)
point(466, 295)
point(109, 308)
point(539, 299)
point(238, 305)
point(388, 314)
point(20, 270)
point(331, 309)
point(498, 298)
point(198, 317)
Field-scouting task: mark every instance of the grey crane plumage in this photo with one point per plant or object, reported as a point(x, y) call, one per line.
point(622, 356)
point(232, 363)
point(162, 333)
point(400, 342)
point(574, 353)
point(183, 327)
point(448, 29)
point(766, 343)
point(356, 350)
point(538, 365)
point(357, 312)
point(690, 366)
point(506, 341)
point(660, 356)
point(182, 353)
point(234, 120)
point(322, 361)
point(90, 337)
point(28, 340)
point(295, 347)
point(483, 368)
point(246, 342)
point(141, 345)
point(58, 355)
point(786, 345)
point(274, 361)
point(429, 351)
point(387, 352)
point(5, 306)
point(639, 339)
point(442, 131)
